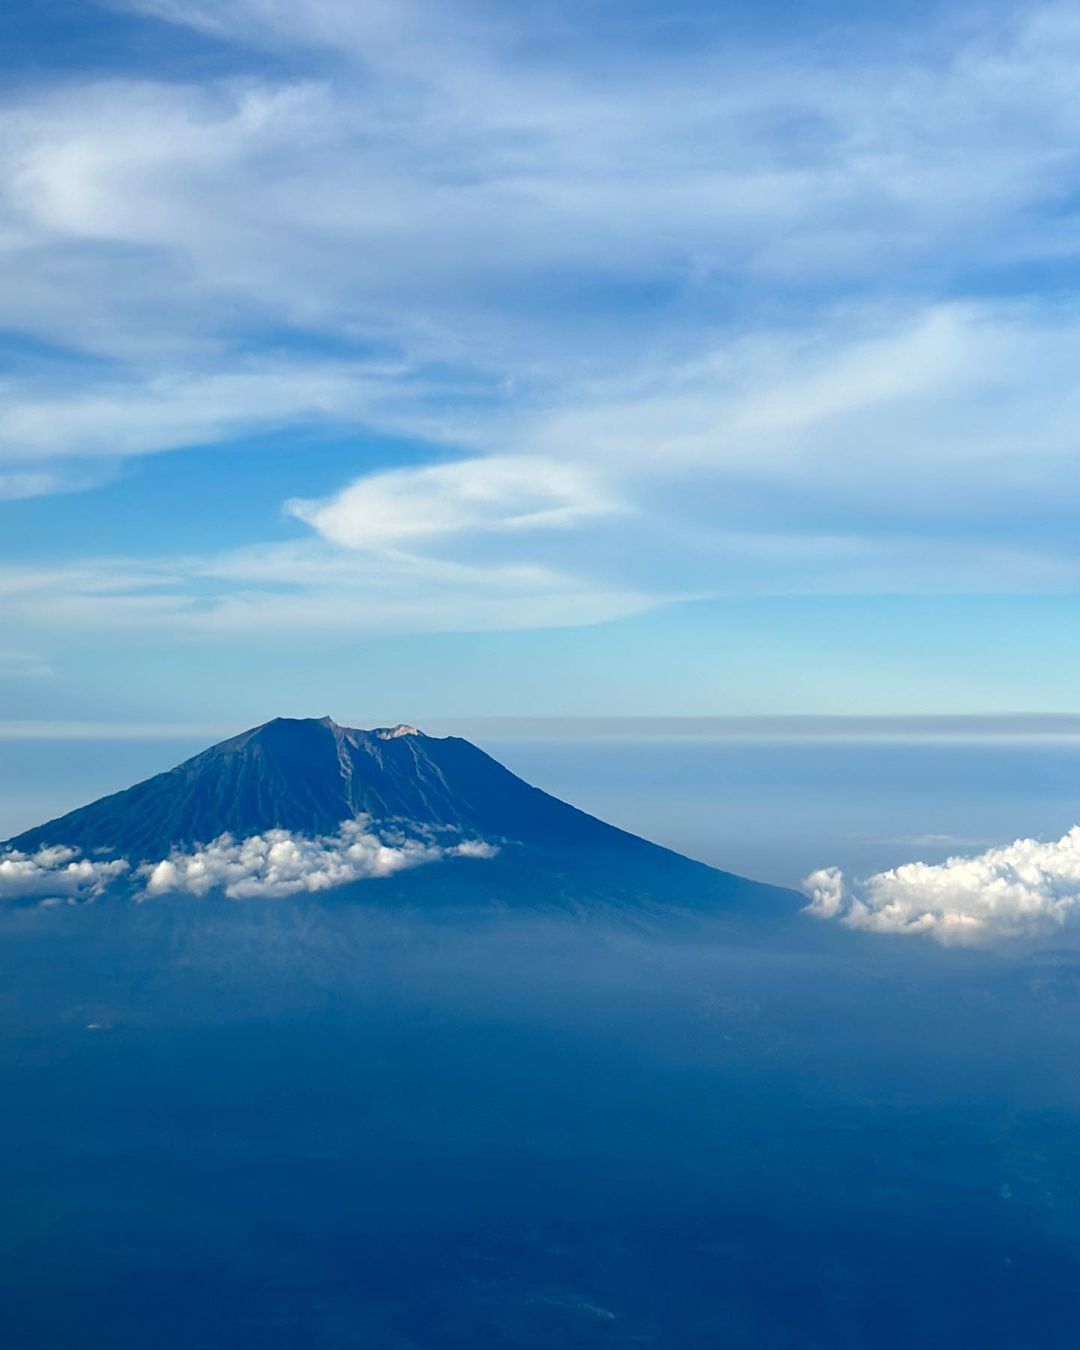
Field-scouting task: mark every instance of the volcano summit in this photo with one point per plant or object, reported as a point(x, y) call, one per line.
point(306, 804)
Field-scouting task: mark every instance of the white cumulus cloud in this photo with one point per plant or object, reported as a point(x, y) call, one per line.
point(279, 863)
point(55, 874)
point(274, 863)
point(1023, 889)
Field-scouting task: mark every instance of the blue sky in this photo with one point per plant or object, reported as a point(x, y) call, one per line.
point(404, 359)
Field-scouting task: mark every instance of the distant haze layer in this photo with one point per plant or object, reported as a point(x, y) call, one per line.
point(770, 807)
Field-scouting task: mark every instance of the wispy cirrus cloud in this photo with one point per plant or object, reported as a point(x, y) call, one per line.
point(278, 591)
point(102, 418)
point(605, 293)
point(493, 494)
point(425, 184)
point(25, 483)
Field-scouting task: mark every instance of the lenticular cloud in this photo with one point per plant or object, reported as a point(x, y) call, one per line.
point(1023, 889)
point(278, 863)
point(275, 863)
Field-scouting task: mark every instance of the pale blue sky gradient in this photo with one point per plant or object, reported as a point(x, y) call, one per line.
point(404, 360)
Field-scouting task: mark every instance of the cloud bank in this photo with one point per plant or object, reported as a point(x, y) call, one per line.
point(56, 874)
point(279, 863)
point(273, 864)
point(1024, 889)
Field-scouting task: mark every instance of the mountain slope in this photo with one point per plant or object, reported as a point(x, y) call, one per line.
point(308, 776)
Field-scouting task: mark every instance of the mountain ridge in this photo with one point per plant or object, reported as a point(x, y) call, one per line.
point(309, 776)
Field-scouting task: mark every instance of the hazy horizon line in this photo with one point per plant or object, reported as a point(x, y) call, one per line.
point(750, 727)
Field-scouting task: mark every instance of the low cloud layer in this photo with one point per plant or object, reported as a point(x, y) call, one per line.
point(1024, 889)
point(56, 874)
point(276, 863)
point(279, 863)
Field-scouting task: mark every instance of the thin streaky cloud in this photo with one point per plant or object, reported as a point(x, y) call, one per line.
point(579, 331)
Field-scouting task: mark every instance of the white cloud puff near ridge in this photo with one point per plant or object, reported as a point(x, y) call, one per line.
point(280, 863)
point(1023, 889)
point(56, 874)
point(273, 864)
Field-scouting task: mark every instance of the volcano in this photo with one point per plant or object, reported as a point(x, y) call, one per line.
point(310, 777)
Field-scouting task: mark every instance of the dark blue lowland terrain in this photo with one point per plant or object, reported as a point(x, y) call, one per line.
point(584, 1093)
